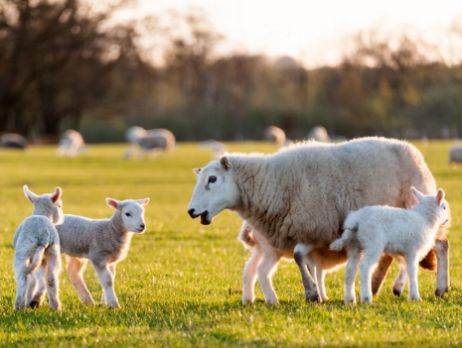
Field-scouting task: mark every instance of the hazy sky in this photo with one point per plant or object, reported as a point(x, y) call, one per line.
point(316, 31)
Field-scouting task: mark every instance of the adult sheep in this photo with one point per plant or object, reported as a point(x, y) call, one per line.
point(275, 135)
point(71, 143)
point(304, 192)
point(147, 141)
point(319, 133)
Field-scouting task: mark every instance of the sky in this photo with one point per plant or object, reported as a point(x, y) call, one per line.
point(316, 32)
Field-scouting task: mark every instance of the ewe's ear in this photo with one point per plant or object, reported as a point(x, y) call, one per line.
point(197, 170)
point(419, 195)
point(57, 194)
point(113, 203)
point(440, 196)
point(29, 194)
point(144, 201)
point(225, 162)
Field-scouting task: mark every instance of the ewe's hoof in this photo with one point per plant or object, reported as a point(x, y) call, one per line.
point(397, 292)
point(34, 304)
point(313, 297)
point(441, 292)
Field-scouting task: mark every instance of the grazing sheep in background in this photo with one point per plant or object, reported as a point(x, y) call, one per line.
point(37, 259)
point(319, 133)
point(104, 242)
point(13, 141)
point(143, 141)
point(303, 193)
point(407, 233)
point(321, 262)
point(71, 144)
point(455, 154)
point(216, 147)
point(275, 135)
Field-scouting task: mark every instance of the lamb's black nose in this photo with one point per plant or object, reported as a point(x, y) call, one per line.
point(191, 213)
point(142, 226)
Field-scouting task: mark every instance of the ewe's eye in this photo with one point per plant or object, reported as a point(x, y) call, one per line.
point(212, 179)
point(128, 214)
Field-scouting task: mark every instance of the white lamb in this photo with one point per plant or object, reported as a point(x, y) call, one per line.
point(408, 234)
point(37, 261)
point(71, 144)
point(104, 242)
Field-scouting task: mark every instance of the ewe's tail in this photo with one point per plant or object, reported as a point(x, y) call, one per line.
point(246, 236)
point(36, 260)
point(345, 239)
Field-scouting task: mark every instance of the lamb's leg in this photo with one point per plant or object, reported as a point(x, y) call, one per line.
point(400, 280)
point(369, 261)
point(442, 272)
point(350, 274)
point(301, 253)
point(250, 276)
point(52, 276)
point(37, 298)
point(412, 269)
point(265, 272)
point(106, 279)
point(380, 273)
point(75, 269)
point(31, 288)
point(21, 289)
point(112, 270)
point(320, 278)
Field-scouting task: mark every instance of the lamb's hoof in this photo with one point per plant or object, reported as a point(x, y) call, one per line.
point(351, 301)
point(366, 300)
point(396, 292)
point(34, 304)
point(272, 302)
point(441, 292)
point(247, 301)
point(313, 297)
point(113, 305)
point(416, 299)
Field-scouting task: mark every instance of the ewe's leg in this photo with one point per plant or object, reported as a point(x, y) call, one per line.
point(250, 276)
point(38, 296)
point(380, 273)
point(75, 269)
point(400, 280)
point(369, 261)
point(412, 269)
point(300, 255)
point(52, 277)
point(350, 274)
point(442, 272)
point(106, 279)
point(265, 272)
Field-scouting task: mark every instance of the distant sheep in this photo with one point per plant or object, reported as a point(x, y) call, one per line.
point(104, 242)
point(37, 259)
point(71, 144)
point(275, 135)
point(319, 133)
point(455, 154)
point(13, 141)
point(216, 147)
point(373, 230)
point(303, 193)
point(148, 141)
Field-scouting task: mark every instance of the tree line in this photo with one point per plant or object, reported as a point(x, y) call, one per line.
point(64, 64)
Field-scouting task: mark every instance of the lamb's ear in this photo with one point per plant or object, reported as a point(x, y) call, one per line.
point(144, 201)
point(113, 203)
point(440, 196)
point(225, 162)
point(57, 194)
point(29, 194)
point(197, 170)
point(419, 195)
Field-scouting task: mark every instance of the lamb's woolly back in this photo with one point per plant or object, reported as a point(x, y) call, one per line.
point(303, 192)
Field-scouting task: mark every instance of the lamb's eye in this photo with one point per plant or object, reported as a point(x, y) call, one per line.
point(212, 179)
point(128, 214)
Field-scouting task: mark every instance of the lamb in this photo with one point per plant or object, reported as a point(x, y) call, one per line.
point(319, 133)
point(143, 141)
point(303, 193)
point(455, 154)
point(37, 260)
point(104, 242)
point(406, 233)
point(71, 143)
point(275, 135)
point(320, 263)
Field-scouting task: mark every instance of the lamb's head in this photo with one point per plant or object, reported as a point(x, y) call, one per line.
point(48, 204)
point(436, 203)
point(131, 212)
point(215, 190)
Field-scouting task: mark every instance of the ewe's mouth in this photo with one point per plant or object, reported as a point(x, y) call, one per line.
point(205, 219)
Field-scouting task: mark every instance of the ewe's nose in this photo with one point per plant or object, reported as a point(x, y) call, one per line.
point(191, 213)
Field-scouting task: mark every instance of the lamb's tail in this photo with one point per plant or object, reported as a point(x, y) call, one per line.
point(36, 260)
point(344, 240)
point(246, 236)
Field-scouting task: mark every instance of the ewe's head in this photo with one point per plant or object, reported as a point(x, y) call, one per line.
point(131, 212)
point(48, 204)
point(215, 191)
point(437, 203)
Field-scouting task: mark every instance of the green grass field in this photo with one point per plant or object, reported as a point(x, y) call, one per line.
point(181, 283)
